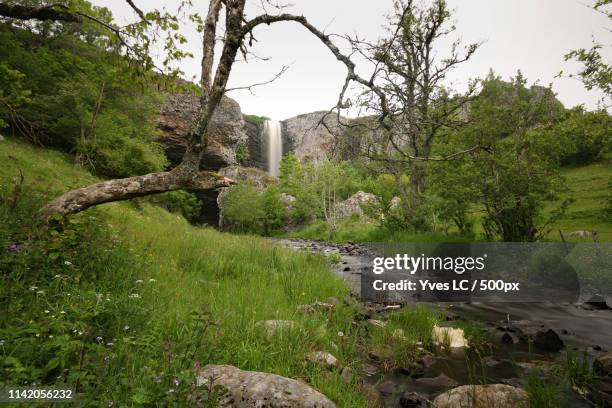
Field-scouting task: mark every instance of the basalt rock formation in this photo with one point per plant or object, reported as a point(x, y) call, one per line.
point(226, 132)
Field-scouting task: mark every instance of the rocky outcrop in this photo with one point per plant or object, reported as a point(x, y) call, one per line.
point(353, 204)
point(483, 396)
point(226, 131)
point(252, 389)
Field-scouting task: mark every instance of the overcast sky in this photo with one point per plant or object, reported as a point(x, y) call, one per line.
point(530, 35)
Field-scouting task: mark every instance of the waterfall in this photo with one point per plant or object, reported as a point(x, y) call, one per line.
point(274, 146)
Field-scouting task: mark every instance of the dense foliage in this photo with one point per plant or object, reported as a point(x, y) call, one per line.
point(59, 88)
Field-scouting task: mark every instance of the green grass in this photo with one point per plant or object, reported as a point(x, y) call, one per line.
point(167, 295)
point(588, 187)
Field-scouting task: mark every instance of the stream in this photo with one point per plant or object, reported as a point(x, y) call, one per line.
point(585, 330)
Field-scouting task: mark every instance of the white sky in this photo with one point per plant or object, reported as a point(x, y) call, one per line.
point(530, 35)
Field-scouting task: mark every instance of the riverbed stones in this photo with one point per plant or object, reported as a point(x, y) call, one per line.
point(253, 389)
point(322, 359)
point(449, 336)
point(483, 396)
point(413, 400)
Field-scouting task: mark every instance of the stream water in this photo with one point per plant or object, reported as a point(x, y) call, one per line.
point(585, 331)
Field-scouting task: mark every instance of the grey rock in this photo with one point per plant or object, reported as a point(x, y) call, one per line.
point(440, 382)
point(603, 364)
point(548, 340)
point(2, 138)
point(386, 388)
point(252, 389)
point(483, 396)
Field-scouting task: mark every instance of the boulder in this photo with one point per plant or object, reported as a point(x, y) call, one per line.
point(395, 202)
point(483, 396)
point(597, 302)
point(448, 336)
point(352, 205)
point(252, 389)
point(603, 365)
point(1, 138)
point(226, 130)
point(547, 340)
point(322, 359)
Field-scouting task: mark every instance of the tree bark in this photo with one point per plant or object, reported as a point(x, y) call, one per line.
point(124, 189)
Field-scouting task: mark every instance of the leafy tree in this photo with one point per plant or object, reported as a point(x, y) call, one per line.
point(519, 177)
point(596, 71)
point(408, 95)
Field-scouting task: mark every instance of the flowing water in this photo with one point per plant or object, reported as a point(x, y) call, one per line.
point(274, 146)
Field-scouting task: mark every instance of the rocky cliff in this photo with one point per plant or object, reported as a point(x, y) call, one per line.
point(309, 139)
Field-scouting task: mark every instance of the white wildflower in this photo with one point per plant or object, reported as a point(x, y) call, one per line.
point(33, 288)
point(134, 296)
point(139, 281)
point(67, 263)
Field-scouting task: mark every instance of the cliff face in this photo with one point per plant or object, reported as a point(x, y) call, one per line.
point(254, 132)
point(226, 132)
point(309, 140)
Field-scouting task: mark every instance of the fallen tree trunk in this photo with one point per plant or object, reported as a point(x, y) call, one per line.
point(124, 189)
